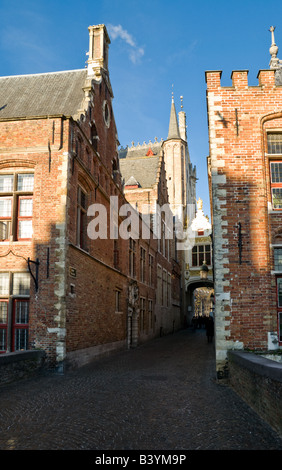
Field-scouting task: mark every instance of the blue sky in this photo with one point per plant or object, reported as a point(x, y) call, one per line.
point(154, 44)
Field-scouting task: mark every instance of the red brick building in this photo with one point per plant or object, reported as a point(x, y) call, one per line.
point(160, 174)
point(245, 161)
point(63, 288)
point(145, 187)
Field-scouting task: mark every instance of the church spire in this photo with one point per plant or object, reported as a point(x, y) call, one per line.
point(173, 131)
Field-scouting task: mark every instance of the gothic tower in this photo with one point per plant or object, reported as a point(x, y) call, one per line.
point(181, 182)
point(181, 175)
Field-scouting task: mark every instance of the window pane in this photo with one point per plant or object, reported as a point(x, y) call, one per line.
point(279, 291)
point(25, 209)
point(4, 229)
point(6, 183)
point(208, 254)
point(277, 198)
point(81, 197)
point(5, 207)
point(25, 229)
point(21, 339)
point(4, 283)
point(274, 143)
point(201, 258)
point(25, 182)
point(3, 339)
point(22, 311)
point(280, 327)
point(276, 172)
point(21, 283)
point(3, 312)
point(278, 259)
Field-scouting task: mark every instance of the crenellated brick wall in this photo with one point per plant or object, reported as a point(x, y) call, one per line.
point(243, 223)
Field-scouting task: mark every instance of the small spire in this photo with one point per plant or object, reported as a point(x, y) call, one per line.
point(173, 131)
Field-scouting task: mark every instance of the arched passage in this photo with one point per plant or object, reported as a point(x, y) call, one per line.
point(199, 298)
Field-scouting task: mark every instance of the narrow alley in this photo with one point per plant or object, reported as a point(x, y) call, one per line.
point(161, 395)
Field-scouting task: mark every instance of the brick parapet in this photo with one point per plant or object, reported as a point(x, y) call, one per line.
point(239, 117)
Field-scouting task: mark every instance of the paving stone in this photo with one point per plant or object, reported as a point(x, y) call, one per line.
point(161, 395)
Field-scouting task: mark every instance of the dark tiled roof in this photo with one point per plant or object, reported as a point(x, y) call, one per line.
point(141, 162)
point(42, 94)
point(144, 170)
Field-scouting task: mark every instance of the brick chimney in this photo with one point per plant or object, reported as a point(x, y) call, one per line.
point(98, 51)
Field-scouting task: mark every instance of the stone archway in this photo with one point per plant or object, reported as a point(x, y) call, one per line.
point(203, 292)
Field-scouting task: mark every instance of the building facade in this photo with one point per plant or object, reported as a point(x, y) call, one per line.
point(160, 173)
point(245, 133)
point(145, 188)
point(69, 283)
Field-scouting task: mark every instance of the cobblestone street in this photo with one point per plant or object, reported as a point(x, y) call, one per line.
point(162, 395)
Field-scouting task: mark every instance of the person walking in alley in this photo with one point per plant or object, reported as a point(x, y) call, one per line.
point(210, 328)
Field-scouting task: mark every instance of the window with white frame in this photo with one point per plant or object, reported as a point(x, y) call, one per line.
point(276, 184)
point(16, 206)
point(14, 311)
point(278, 258)
point(274, 143)
point(274, 147)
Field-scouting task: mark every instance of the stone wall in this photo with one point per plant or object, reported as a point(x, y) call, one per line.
point(19, 365)
point(259, 382)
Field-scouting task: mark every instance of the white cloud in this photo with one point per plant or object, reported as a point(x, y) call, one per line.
point(136, 52)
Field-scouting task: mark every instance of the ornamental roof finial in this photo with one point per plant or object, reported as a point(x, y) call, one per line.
point(274, 61)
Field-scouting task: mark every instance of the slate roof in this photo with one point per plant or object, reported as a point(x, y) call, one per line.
point(144, 170)
point(42, 94)
point(138, 164)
